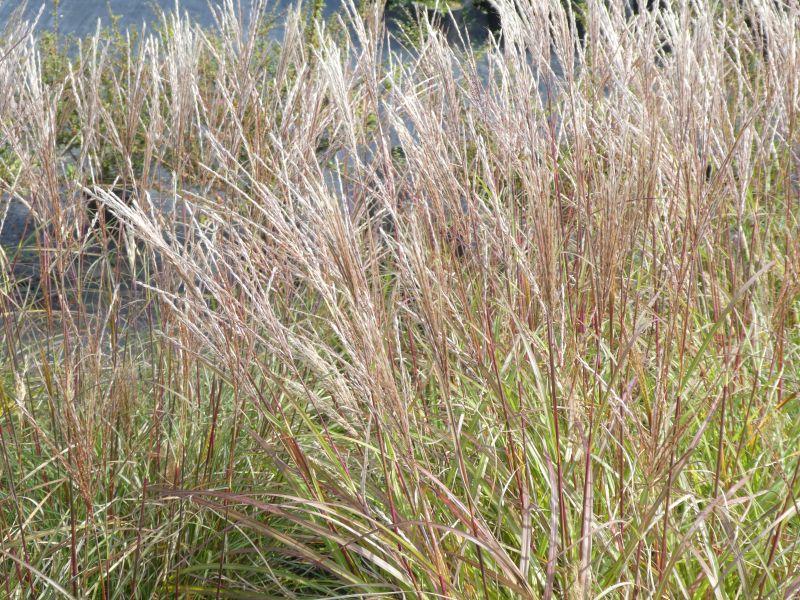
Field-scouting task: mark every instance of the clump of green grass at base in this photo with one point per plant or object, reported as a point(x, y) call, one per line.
point(426, 333)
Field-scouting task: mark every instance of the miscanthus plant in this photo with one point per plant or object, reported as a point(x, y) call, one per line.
point(334, 317)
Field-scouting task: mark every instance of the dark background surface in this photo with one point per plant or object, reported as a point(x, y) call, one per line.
point(80, 17)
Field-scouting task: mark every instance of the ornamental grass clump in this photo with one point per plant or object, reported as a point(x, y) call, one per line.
point(421, 320)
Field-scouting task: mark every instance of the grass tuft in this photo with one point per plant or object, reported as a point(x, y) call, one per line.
point(333, 317)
